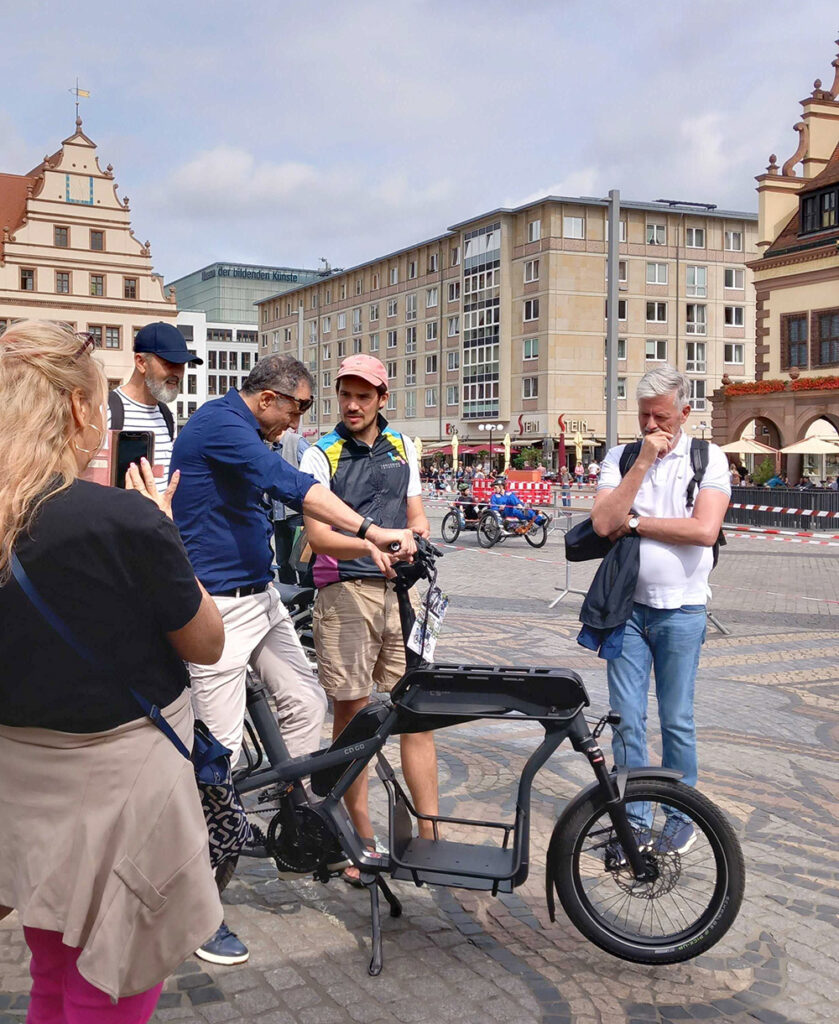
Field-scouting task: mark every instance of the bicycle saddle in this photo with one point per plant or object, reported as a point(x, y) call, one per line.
point(290, 594)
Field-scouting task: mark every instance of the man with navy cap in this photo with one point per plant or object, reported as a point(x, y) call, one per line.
point(160, 358)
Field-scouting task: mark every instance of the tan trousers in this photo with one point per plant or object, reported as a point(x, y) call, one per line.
point(258, 632)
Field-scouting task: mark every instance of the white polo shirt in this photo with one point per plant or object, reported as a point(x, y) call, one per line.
point(670, 575)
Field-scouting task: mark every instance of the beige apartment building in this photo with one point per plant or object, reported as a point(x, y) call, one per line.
point(67, 253)
point(503, 318)
point(796, 387)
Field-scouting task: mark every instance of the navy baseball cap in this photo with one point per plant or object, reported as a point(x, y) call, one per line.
point(166, 341)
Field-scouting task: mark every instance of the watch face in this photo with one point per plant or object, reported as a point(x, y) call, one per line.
point(633, 522)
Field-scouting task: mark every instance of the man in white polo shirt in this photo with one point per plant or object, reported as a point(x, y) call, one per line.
point(142, 403)
point(667, 626)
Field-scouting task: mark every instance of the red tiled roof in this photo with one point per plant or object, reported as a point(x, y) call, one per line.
point(12, 202)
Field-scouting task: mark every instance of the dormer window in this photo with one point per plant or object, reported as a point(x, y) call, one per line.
point(819, 211)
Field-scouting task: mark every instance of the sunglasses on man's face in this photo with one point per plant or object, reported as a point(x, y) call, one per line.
point(303, 404)
point(88, 343)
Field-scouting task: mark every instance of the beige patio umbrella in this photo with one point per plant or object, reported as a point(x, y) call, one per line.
point(455, 445)
point(506, 452)
point(812, 446)
point(418, 446)
point(748, 446)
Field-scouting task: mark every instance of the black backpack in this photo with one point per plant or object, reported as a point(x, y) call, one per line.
point(699, 462)
point(117, 411)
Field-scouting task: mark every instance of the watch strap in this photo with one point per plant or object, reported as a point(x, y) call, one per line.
point(366, 523)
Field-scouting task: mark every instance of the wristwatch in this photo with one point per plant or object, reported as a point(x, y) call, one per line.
point(366, 523)
point(632, 523)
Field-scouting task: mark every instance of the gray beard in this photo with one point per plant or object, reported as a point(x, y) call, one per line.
point(162, 391)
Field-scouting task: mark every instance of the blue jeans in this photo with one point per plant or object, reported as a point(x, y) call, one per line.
point(667, 640)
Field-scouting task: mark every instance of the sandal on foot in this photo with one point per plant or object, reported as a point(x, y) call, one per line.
point(354, 879)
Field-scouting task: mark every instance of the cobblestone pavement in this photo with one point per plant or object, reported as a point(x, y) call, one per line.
point(769, 747)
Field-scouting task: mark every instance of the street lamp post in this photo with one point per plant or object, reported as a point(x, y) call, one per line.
point(490, 427)
point(701, 425)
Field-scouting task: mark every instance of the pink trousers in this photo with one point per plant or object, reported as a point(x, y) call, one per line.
point(60, 995)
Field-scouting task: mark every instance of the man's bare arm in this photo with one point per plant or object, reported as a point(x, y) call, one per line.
point(417, 519)
point(611, 507)
point(702, 528)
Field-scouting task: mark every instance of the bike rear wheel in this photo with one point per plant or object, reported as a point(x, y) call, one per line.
point(450, 527)
point(687, 907)
point(537, 535)
point(489, 532)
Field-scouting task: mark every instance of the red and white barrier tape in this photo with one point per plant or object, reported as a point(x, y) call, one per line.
point(784, 533)
point(815, 512)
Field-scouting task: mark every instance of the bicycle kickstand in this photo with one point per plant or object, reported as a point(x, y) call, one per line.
point(374, 885)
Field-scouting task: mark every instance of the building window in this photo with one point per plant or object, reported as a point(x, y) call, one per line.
point(734, 278)
point(531, 271)
point(432, 262)
point(62, 282)
point(454, 256)
point(411, 306)
point(342, 321)
point(391, 402)
point(696, 320)
point(342, 349)
point(621, 347)
point(412, 269)
point(656, 234)
point(233, 360)
point(391, 339)
point(734, 353)
point(359, 287)
point(211, 360)
point(410, 371)
point(695, 238)
point(212, 384)
point(431, 363)
point(622, 271)
point(657, 312)
point(374, 283)
point(96, 332)
point(695, 356)
point(734, 316)
point(431, 297)
point(27, 279)
point(531, 310)
point(827, 329)
point(129, 287)
point(454, 291)
point(530, 387)
point(621, 230)
point(733, 242)
point(222, 360)
point(356, 345)
point(374, 312)
point(655, 350)
point(61, 237)
point(697, 395)
point(621, 309)
point(326, 378)
point(452, 394)
point(374, 343)
point(454, 326)
point(313, 332)
point(112, 337)
point(410, 404)
point(453, 360)
point(191, 384)
point(326, 352)
point(222, 384)
point(326, 406)
point(656, 273)
point(431, 330)
point(697, 281)
point(430, 398)
point(391, 369)
point(97, 241)
point(246, 360)
point(325, 324)
point(97, 284)
point(393, 275)
point(794, 342)
point(573, 227)
point(531, 348)
point(410, 339)
point(356, 321)
point(392, 307)
point(534, 231)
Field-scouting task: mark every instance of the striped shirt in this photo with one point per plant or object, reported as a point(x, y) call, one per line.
point(139, 416)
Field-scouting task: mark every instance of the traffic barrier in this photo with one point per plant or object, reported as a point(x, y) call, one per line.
point(815, 513)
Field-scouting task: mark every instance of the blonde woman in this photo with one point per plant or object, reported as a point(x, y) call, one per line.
point(103, 846)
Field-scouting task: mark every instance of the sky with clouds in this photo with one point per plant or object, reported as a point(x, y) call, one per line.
point(278, 133)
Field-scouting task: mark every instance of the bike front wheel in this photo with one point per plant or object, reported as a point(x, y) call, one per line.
point(537, 535)
point(450, 527)
point(488, 530)
point(695, 890)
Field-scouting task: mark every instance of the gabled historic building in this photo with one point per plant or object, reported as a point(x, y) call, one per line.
point(67, 253)
point(797, 288)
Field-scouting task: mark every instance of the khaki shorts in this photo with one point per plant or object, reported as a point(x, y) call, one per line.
point(358, 638)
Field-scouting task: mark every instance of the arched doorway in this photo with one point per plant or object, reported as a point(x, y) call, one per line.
point(817, 468)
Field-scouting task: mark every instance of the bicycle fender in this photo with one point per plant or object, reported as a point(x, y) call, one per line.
point(650, 772)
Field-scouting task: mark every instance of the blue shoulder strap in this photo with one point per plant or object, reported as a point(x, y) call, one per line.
point(66, 634)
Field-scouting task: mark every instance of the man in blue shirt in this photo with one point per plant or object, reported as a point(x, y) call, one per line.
point(220, 509)
point(509, 505)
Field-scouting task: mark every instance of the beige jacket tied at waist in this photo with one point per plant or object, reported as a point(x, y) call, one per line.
point(104, 840)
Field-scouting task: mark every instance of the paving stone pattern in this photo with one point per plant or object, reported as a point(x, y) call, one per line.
point(769, 747)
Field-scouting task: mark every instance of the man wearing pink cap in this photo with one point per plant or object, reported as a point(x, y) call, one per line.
point(358, 637)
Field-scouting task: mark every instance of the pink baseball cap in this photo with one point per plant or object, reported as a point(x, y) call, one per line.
point(367, 367)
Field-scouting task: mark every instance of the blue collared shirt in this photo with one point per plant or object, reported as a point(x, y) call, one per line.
point(219, 507)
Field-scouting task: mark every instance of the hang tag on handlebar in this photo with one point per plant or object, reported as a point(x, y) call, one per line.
point(423, 638)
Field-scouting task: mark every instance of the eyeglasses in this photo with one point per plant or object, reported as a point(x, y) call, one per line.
point(87, 342)
point(303, 404)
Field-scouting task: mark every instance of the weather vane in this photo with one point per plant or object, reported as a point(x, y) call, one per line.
point(78, 93)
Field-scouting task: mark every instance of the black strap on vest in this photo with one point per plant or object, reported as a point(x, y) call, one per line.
point(699, 463)
point(117, 411)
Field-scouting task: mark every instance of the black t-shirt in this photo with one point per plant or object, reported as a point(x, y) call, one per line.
point(113, 567)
